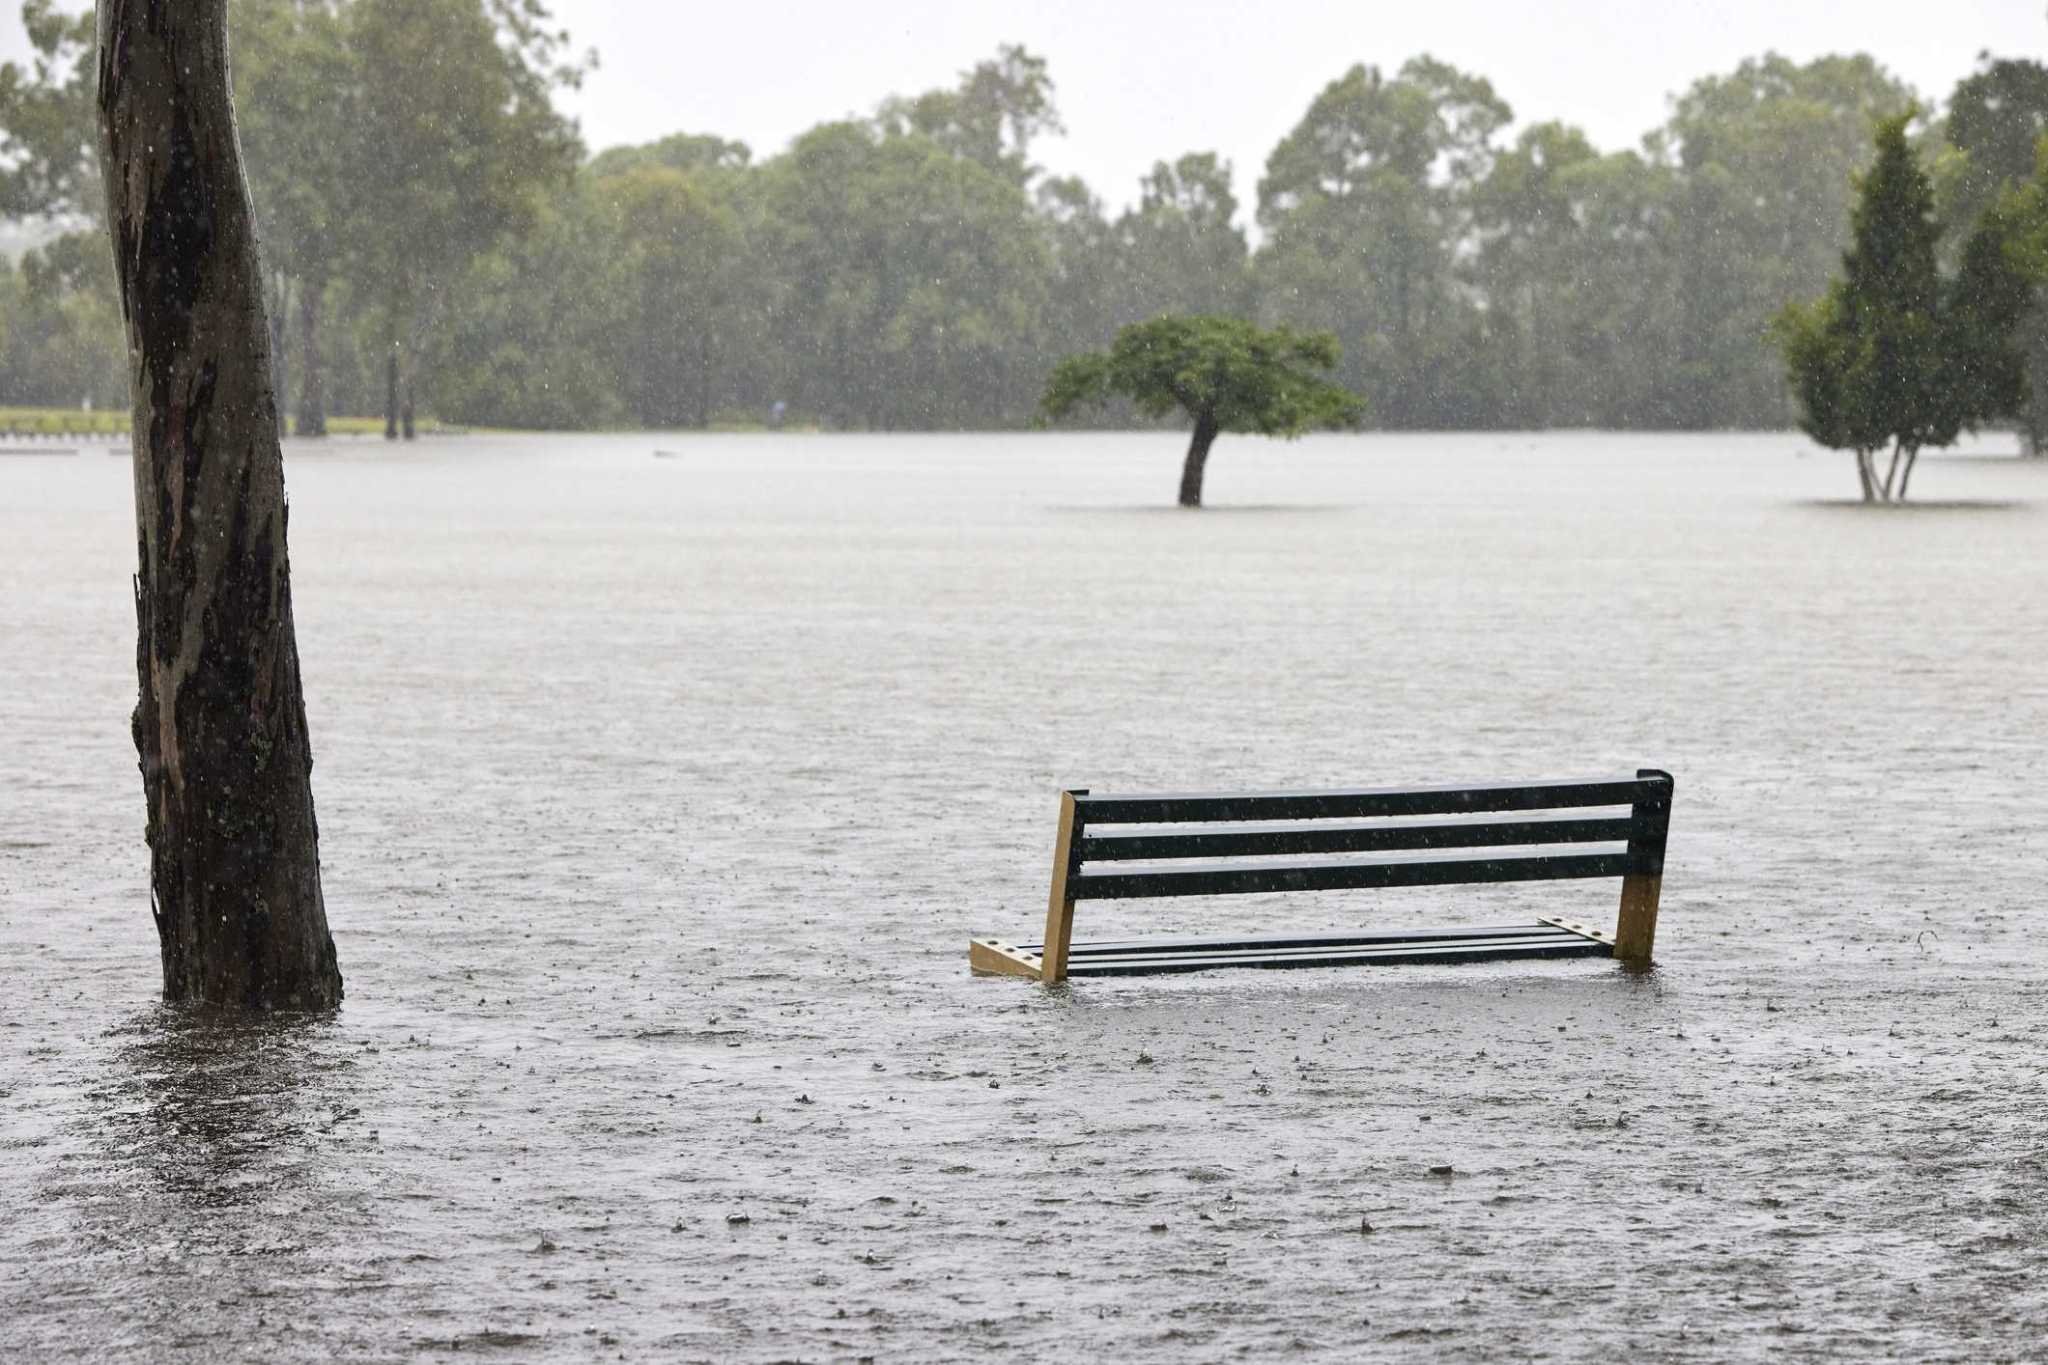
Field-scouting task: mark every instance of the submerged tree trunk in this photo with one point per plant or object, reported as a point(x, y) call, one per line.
point(391, 395)
point(1198, 460)
point(221, 727)
point(312, 387)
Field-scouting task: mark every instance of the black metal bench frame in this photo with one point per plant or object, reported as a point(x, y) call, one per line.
point(1119, 847)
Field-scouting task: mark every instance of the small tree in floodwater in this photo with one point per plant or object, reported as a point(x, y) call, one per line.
point(1892, 356)
point(221, 726)
point(1224, 373)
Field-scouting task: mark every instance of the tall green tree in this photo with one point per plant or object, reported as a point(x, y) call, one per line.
point(1996, 119)
point(1223, 374)
point(1533, 266)
point(1086, 285)
point(1764, 157)
point(537, 340)
point(1889, 357)
point(991, 118)
point(682, 250)
point(291, 65)
point(48, 165)
point(908, 278)
point(446, 161)
point(1182, 248)
point(1366, 207)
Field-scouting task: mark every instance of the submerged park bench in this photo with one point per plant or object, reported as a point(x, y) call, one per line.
point(1122, 847)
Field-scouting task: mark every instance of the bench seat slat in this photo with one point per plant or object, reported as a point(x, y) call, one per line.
point(1200, 943)
point(1445, 951)
point(1349, 836)
point(1362, 803)
point(1429, 869)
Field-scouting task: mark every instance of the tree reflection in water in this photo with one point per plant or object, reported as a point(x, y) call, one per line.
point(221, 1114)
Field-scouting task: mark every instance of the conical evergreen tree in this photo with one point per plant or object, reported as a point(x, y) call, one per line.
point(1888, 357)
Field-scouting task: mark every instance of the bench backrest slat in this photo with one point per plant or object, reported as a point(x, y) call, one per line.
point(1349, 836)
point(1416, 870)
point(1361, 804)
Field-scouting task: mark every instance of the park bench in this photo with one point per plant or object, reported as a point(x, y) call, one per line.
point(1121, 847)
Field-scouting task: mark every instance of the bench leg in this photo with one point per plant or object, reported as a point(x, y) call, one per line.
point(1635, 930)
point(1059, 911)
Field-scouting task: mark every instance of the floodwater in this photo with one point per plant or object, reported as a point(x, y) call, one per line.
point(660, 795)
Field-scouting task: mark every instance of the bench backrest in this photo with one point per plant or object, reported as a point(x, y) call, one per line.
point(1114, 847)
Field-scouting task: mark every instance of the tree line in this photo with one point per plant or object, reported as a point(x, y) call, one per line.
point(435, 232)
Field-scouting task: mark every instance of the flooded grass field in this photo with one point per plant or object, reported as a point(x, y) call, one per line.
point(660, 796)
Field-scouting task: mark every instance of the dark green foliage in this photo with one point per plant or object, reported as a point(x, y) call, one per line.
point(1366, 204)
point(1987, 303)
point(1225, 374)
point(1996, 120)
point(48, 167)
point(914, 269)
point(1889, 357)
point(1241, 377)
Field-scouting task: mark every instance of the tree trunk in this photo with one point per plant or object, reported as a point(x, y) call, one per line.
point(312, 388)
point(391, 394)
point(405, 414)
point(1906, 476)
point(277, 354)
point(221, 726)
point(1865, 476)
point(703, 379)
point(1198, 460)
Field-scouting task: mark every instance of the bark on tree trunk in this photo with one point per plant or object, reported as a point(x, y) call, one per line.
point(1906, 477)
point(277, 355)
point(1865, 476)
point(1197, 461)
point(312, 388)
point(405, 413)
point(391, 394)
point(703, 380)
point(221, 726)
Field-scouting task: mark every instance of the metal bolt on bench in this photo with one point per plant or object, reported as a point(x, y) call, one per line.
point(1118, 847)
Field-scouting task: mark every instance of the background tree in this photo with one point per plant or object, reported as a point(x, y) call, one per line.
point(1223, 373)
point(1764, 157)
point(681, 248)
point(63, 342)
point(915, 269)
point(445, 165)
point(291, 66)
point(1365, 205)
point(1181, 247)
point(49, 170)
point(221, 727)
point(1888, 357)
point(991, 118)
point(537, 341)
point(1996, 119)
point(1085, 283)
point(1529, 216)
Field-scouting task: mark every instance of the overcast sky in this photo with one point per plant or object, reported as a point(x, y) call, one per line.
point(1141, 80)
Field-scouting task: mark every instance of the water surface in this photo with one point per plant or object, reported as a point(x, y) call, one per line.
point(659, 797)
